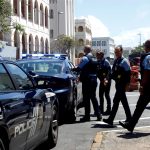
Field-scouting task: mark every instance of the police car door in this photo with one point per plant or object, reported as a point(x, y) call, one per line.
point(15, 110)
point(30, 126)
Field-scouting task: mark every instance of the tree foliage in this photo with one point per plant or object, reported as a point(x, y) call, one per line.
point(63, 44)
point(5, 17)
point(5, 13)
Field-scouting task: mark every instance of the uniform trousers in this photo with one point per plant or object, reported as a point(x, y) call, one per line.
point(89, 93)
point(104, 90)
point(140, 106)
point(120, 96)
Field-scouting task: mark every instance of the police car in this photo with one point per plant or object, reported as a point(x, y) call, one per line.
point(57, 69)
point(28, 114)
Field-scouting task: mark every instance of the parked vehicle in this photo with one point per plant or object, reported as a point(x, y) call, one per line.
point(28, 114)
point(57, 69)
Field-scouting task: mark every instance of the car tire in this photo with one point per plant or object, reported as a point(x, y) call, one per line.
point(73, 111)
point(2, 145)
point(53, 129)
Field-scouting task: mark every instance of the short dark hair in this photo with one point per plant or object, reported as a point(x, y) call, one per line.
point(120, 47)
point(100, 53)
point(147, 44)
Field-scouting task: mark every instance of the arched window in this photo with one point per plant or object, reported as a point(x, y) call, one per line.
point(30, 10)
point(15, 7)
point(36, 45)
point(1, 36)
point(46, 17)
point(30, 44)
point(16, 43)
point(42, 46)
point(81, 42)
point(36, 16)
point(41, 15)
point(46, 46)
point(80, 29)
point(24, 43)
point(23, 8)
point(16, 39)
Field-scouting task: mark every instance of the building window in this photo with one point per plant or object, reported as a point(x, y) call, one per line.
point(98, 43)
point(80, 29)
point(103, 43)
point(1, 36)
point(23, 8)
point(41, 15)
point(46, 17)
point(51, 34)
point(81, 42)
point(51, 14)
point(36, 16)
point(30, 11)
point(93, 43)
point(15, 7)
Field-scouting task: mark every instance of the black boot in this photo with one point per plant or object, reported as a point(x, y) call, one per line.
point(85, 118)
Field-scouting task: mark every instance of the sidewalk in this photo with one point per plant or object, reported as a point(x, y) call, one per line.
point(122, 140)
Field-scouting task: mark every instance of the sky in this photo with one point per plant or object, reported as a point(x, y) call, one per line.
point(126, 21)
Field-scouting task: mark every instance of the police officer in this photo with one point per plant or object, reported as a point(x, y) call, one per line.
point(103, 73)
point(144, 97)
point(121, 74)
point(89, 83)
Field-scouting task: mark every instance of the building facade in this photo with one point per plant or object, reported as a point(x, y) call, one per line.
point(33, 15)
point(61, 22)
point(105, 44)
point(61, 18)
point(83, 34)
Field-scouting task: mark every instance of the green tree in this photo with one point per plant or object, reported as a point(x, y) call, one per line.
point(138, 50)
point(64, 43)
point(5, 17)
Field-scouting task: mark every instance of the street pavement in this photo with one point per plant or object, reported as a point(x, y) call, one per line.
point(122, 140)
point(96, 135)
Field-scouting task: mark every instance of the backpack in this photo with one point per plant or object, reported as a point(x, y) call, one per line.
point(89, 68)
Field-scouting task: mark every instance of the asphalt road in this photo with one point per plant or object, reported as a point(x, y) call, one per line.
point(79, 136)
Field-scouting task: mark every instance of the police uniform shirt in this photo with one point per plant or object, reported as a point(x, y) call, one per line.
point(125, 65)
point(84, 61)
point(146, 62)
point(104, 63)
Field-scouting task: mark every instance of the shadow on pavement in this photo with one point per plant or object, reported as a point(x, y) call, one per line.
point(133, 135)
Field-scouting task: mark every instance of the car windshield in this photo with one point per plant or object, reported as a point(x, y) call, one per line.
point(42, 66)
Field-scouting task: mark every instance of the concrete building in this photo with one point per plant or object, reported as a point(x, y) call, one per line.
point(33, 15)
point(106, 44)
point(83, 34)
point(61, 21)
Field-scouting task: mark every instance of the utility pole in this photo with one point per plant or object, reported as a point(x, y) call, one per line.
point(140, 41)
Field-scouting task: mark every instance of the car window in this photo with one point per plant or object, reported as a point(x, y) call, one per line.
point(42, 67)
point(22, 81)
point(5, 81)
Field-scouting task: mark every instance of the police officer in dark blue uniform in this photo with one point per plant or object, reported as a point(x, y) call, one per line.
point(144, 97)
point(121, 74)
point(89, 83)
point(104, 75)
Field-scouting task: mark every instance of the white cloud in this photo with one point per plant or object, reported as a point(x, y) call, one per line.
point(97, 27)
point(131, 38)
